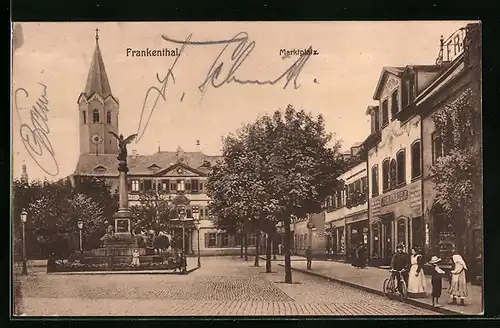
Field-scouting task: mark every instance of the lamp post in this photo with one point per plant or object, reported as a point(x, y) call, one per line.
point(24, 218)
point(80, 227)
point(310, 226)
point(196, 215)
point(182, 215)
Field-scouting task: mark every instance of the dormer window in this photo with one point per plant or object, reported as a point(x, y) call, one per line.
point(394, 103)
point(153, 167)
point(385, 113)
point(95, 116)
point(99, 168)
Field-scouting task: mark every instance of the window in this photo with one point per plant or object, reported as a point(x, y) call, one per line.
point(166, 185)
point(195, 187)
point(385, 175)
point(212, 240)
point(135, 185)
point(364, 189)
point(225, 240)
point(407, 92)
point(376, 240)
point(375, 181)
point(173, 185)
point(95, 116)
point(375, 119)
point(201, 187)
point(416, 170)
point(437, 147)
point(188, 185)
point(252, 240)
point(148, 185)
point(108, 117)
point(154, 185)
point(395, 103)
point(181, 185)
point(385, 112)
point(401, 169)
point(84, 117)
point(393, 174)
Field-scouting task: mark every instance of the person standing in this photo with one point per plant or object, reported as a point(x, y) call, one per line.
point(309, 257)
point(436, 281)
point(458, 287)
point(361, 256)
point(135, 258)
point(416, 278)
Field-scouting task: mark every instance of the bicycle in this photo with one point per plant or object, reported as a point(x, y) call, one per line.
point(389, 287)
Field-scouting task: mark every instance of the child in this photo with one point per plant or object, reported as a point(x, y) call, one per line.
point(135, 258)
point(436, 281)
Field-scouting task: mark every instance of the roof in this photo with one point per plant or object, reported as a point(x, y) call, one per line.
point(97, 80)
point(107, 164)
point(397, 71)
point(400, 71)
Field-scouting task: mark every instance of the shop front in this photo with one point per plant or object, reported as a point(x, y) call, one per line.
point(396, 218)
point(357, 233)
point(336, 240)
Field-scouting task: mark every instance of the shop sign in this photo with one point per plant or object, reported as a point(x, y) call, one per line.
point(396, 197)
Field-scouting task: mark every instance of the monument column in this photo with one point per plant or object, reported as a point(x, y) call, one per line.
point(123, 169)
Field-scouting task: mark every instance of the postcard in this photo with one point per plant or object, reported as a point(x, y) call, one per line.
point(313, 168)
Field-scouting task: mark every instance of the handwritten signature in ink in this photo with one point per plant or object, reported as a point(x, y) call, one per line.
point(154, 94)
point(35, 135)
point(217, 77)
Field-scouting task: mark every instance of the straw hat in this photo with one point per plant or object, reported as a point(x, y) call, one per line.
point(434, 260)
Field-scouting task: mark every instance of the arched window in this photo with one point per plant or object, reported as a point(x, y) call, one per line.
point(401, 169)
point(95, 116)
point(385, 175)
point(84, 117)
point(415, 160)
point(393, 173)
point(108, 117)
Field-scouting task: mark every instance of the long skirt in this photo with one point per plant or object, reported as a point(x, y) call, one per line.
point(416, 283)
point(458, 286)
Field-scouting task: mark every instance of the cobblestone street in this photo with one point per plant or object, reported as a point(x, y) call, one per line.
point(223, 286)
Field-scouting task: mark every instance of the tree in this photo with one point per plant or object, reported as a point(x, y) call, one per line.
point(458, 173)
point(276, 168)
point(153, 212)
point(99, 191)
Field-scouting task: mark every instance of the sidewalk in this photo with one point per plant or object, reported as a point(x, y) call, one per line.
point(282, 258)
point(371, 279)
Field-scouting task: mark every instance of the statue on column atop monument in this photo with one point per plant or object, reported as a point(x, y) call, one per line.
point(122, 143)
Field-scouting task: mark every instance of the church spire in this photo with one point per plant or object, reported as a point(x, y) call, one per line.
point(97, 80)
point(24, 174)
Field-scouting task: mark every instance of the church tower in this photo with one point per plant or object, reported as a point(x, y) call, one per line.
point(98, 110)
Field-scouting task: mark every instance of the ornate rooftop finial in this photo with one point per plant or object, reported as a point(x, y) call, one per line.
point(97, 35)
point(24, 174)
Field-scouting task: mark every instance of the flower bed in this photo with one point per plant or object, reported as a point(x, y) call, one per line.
point(76, 266)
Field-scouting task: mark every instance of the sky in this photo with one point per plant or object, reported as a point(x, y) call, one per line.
point(338, 82)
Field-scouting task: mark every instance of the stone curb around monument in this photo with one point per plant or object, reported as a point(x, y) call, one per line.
point(148, 272)
point(376, 291)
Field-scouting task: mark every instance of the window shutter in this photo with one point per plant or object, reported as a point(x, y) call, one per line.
point(201, 187)
point(188, 185)
point(141, 185)
point(129, 185)
point(206, 240)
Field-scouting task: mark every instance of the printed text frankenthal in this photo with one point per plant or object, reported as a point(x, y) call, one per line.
point(147, 52)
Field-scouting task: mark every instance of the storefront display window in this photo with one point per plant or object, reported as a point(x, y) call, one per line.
point(341, 240)
point(402, 232)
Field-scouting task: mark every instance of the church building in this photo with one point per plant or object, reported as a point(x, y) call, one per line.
point(171, 174)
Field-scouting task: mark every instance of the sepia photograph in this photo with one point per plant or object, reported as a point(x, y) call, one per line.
point(208, 169)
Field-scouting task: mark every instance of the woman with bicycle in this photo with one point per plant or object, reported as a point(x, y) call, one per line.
point(416, 279)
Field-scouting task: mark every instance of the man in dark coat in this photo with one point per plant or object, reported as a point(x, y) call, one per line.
point(400, 261)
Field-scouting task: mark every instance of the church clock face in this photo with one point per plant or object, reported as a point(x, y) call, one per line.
point(96, 138)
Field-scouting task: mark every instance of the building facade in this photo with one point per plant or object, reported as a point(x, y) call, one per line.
point(346, 214)
point(461, 80)
point(169, 175)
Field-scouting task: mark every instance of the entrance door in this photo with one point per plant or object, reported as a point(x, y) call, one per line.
point(387, 239)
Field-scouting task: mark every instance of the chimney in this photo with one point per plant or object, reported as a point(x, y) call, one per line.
point(24, 174)
point(134, 153)
point(158, 146)
point(198, 146)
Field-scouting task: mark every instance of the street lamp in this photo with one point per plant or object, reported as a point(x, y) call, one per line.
point(24, 218)
point(80, 227)
point(196, 215)
point(310, 226)
point(182, 215)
